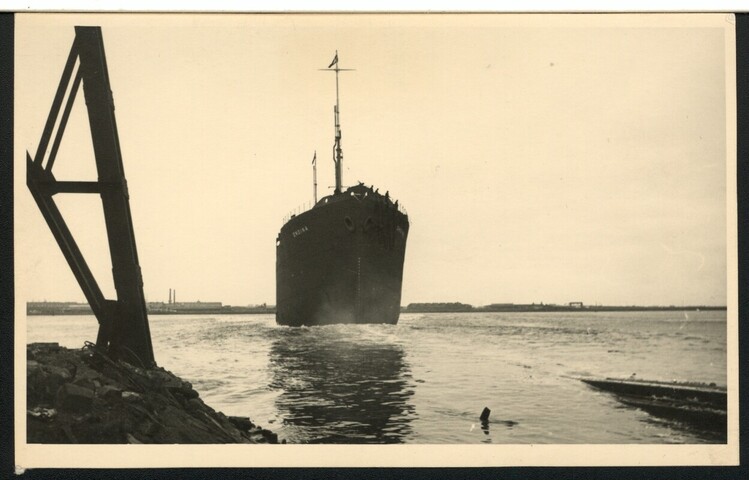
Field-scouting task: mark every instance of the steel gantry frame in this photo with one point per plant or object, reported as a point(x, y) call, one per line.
point(123, 323)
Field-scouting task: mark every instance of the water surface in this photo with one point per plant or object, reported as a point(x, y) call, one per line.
point(427, 379)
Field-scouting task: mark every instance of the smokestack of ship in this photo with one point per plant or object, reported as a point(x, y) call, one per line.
point(170, 296)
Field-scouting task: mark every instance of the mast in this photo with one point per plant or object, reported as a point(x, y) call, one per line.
point(314, 176)
point(337, 150)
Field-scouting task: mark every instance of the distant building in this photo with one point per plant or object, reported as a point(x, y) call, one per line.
point(196, 305)
point(576, 304)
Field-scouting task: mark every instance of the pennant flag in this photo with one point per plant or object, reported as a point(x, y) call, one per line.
point(335, 60)
point(314, 159)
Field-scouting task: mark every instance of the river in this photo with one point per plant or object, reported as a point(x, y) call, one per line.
point(427, 379)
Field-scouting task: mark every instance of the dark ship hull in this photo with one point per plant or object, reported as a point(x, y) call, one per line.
point(342, 261)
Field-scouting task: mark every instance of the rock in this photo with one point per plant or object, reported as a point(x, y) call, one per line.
point(85, 383)
point(37, 387)
point(188, 391)
point(110, 431)
point(257, 436)
point(59, 373)
point(109, 392)
point(262, 435)
point(48, 379)
point(42, 413)
point(73, 398)
point(148, 429)
point(193, 404)
point(131, 397)
point(270, 436)
point(242, 423)
point(71, 438)
point(89, 373)
point(126, 425)
point(99, 400)
point(192, 394)
point(163, 379)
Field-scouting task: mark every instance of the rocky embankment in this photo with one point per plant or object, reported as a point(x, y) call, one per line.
point(83, 396)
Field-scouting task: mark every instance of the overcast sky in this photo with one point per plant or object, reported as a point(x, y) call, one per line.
point(540, 158)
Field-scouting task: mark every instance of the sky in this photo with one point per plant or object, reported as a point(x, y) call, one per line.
point(541, 158)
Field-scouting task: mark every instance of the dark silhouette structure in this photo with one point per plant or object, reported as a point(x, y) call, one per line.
point(123, 323)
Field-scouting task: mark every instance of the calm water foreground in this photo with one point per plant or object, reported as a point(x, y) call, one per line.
point(427, 379)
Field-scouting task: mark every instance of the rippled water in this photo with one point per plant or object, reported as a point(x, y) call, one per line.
point(427, 379)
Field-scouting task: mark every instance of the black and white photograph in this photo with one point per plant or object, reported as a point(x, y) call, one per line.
point(410, 239)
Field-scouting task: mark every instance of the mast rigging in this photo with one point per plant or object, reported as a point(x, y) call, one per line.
point(337, 149)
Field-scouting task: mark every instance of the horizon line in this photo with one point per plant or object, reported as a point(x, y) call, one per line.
point(496, 304)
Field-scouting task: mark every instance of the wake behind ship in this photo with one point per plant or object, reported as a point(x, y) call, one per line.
point(342, 260)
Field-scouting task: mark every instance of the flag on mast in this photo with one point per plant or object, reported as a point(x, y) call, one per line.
point(335, 60)
point(314, 158)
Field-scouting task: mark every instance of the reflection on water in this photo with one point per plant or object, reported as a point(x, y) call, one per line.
point(426, 379)
point(341, 388)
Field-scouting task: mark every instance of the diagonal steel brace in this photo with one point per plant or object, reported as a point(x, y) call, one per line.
point(123, 323)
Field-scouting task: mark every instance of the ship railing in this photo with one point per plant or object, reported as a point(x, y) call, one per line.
point(308, 206)
point(298, 211)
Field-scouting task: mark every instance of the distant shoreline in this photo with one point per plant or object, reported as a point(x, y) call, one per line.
point(72, 308)
point(511, 308)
